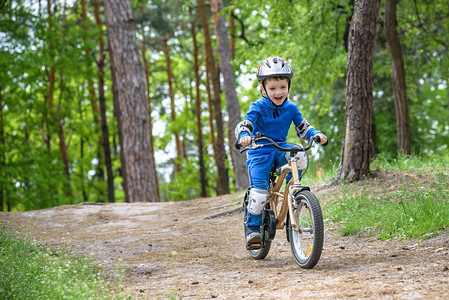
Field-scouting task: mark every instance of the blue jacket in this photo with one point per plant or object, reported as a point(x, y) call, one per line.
point(262, 114)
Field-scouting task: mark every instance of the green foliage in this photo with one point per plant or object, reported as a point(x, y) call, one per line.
point(32, 173)
point(29, 271)
point(310, 34)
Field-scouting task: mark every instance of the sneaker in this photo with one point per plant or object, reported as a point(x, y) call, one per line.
point(254, 238)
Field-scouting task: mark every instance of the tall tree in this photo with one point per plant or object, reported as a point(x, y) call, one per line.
point(130, 104)
point(93, 100)
point(50, 101)
point(220, 155)
point(398, 79)
point(356, 147)
point(148, 97)
point(102, 99)
point(232, 103)
point(232, 30)
point(2, 151)
point(170, 79)
point(199, 125)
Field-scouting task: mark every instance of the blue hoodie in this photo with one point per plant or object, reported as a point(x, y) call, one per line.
point(273, 121)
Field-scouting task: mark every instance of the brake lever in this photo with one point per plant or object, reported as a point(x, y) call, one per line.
point(252, 146)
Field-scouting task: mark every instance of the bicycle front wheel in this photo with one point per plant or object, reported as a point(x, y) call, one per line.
point(307, 240)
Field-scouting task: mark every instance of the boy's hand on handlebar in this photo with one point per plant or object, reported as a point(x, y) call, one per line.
point(245, 141)
point(323, 138)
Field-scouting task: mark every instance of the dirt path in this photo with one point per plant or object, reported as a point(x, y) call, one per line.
point(184, 250)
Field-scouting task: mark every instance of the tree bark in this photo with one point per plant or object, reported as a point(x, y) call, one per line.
point(172, 102)
point(130, 104)
point(102, 99)
point(199, 126)
point(147, 94)
point(83, 184)
point(2, 152)
point(232, 102)
point(356, 147)
point(398, 79)
point(93, 102)
point(232, 31)
point(53, 112)
point(220, 155)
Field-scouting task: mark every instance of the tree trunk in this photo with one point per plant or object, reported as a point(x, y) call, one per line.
point(93, 102)
point(220, 156)
point(232, 31)
point(356, 147)
point(199, 126)
point(147, 94)
point(398, 79)
point(61, 133)
point(232, 103)
point(130, 104)
point(102, 99)
point(55, 114)
point(2, 153)
point(83, 185)
point(172, 102)
point(51, 78)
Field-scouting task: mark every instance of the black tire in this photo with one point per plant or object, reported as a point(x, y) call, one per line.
point(256, 253)
point(307, 241)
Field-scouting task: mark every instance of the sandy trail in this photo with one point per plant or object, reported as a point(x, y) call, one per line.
point(183, 250)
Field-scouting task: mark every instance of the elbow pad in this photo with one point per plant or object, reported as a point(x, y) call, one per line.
point(303, 128)
point(243, 126)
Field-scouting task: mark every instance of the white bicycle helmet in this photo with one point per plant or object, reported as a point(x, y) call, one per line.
point(274, 67)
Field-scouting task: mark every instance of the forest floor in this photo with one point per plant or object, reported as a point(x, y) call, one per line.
point(196, 250)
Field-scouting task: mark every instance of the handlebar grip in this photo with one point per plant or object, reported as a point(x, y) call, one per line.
point(318, 140)
point(237, 145)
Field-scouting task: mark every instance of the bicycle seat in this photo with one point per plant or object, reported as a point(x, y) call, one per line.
point(280, 169)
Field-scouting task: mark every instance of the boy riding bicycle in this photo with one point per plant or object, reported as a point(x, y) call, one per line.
point(272, 116)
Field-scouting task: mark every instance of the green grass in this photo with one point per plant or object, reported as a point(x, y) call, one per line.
point(409, 212)
point(30, 271)
point(413, 162)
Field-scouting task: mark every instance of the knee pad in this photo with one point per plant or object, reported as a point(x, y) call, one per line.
point(257, 200)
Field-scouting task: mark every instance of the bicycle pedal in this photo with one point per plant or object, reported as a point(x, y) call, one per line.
point(253, 246)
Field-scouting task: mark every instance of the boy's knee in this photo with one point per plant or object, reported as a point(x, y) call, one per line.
point(257, 201)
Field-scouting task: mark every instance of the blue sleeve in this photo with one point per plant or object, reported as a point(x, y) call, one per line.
point(252, 115)
point(297, 119)
point(243, 134)
point(297, 116)
point(312, 132)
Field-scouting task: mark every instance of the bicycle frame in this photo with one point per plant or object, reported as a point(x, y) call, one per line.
point(290, 189)
point(274, 196)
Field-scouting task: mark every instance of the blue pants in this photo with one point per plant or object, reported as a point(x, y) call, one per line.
point(259, 166)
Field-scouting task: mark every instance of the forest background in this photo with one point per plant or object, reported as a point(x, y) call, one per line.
point(59, 125)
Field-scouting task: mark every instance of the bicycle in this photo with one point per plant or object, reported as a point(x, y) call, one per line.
point(296, 208)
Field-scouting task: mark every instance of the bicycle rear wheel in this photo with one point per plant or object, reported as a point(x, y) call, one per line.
point(307, 240)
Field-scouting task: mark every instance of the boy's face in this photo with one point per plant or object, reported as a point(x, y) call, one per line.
point(277, 90)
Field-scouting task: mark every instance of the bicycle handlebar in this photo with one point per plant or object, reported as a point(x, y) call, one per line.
point(259, 137)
